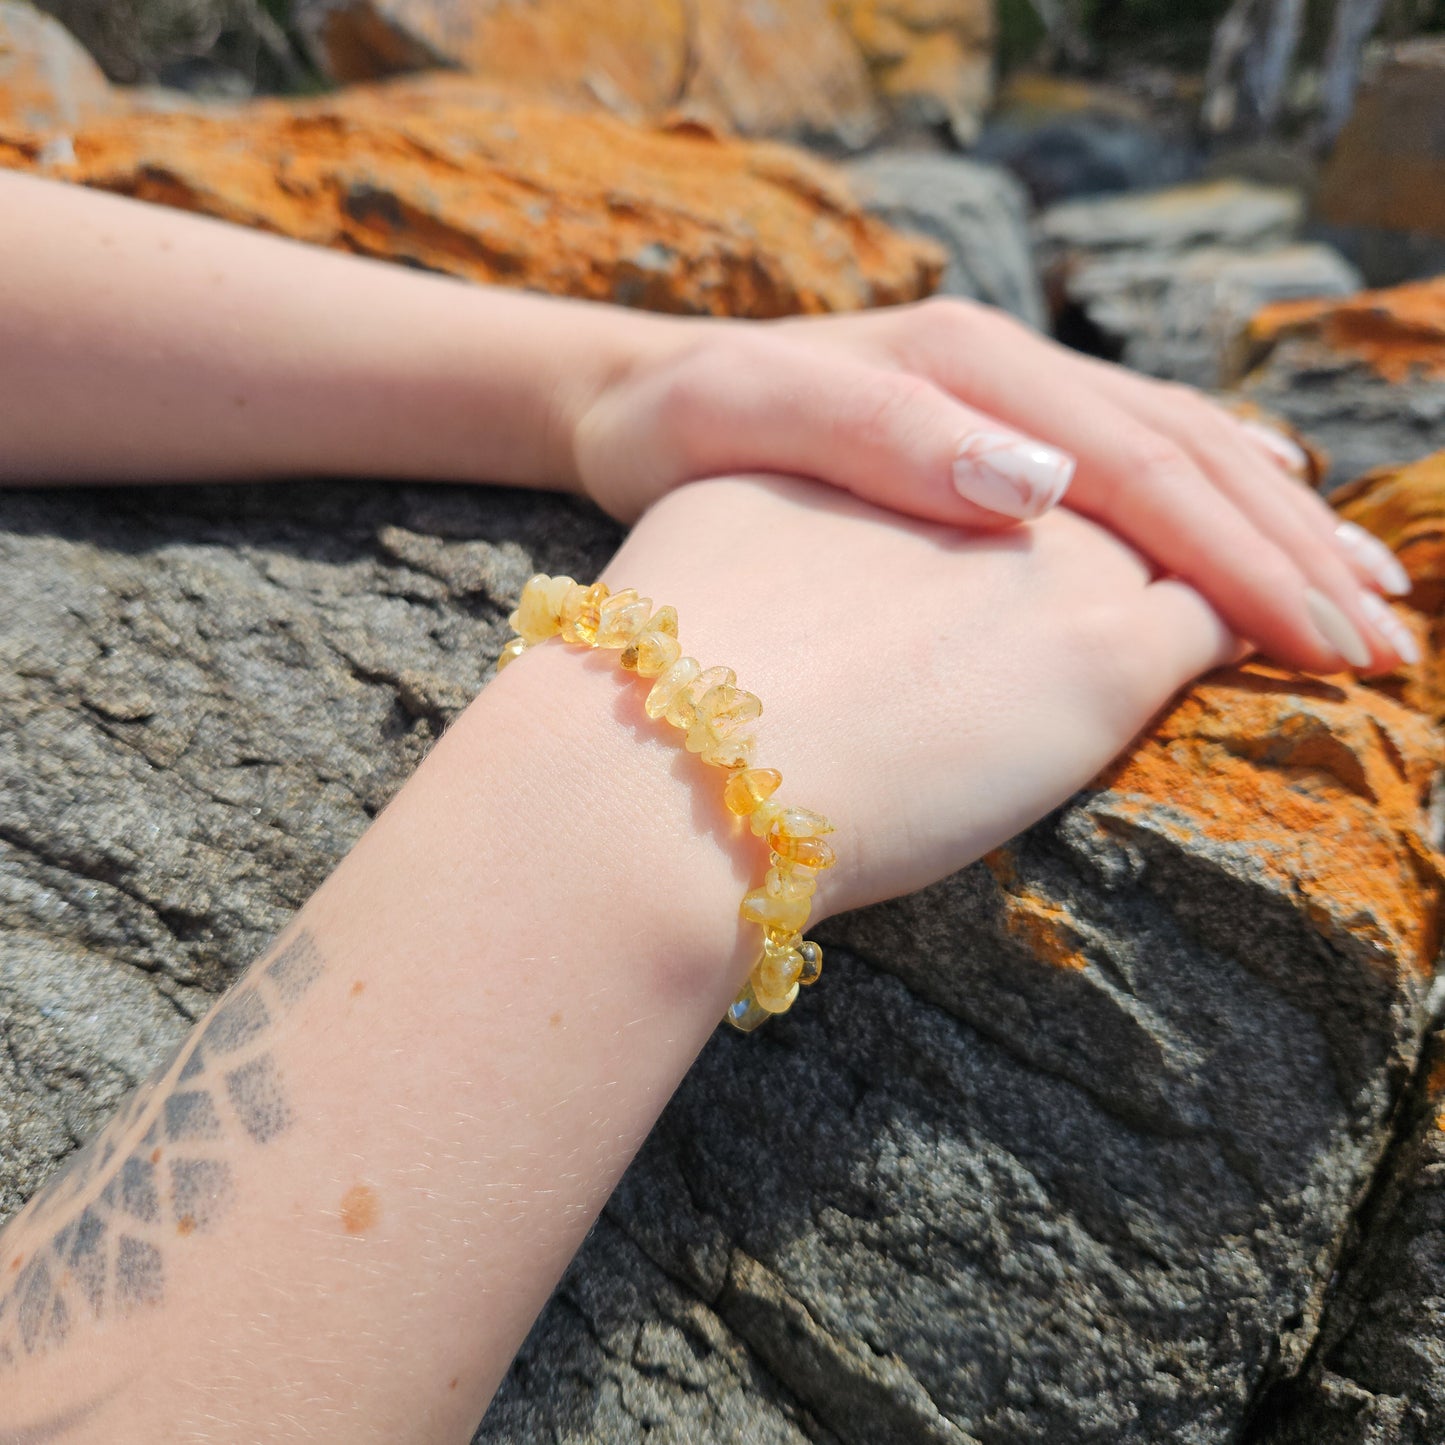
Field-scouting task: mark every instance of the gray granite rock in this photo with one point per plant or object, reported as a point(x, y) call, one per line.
point(1234, 215)
point(205, 698)
point(1167, 282)
point(978, 213)
point(1377, 1375)
point(1341, 403)
point(1184, 317)
point(965, 1194)
point(1066, 140)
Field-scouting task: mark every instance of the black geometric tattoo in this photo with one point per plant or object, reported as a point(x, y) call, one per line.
point(41, 1432)
point(93, 1241)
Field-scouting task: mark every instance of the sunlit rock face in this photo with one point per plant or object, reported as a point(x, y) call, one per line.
point(835, 72)
point(1378, 1374)
point(1166, 281)
point(444, 175)
point(1382, 193)
point(1070, 1143)
point(1362, 375)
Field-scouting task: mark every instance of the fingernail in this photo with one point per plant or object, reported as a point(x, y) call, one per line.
point(1375, 557)
point(1385, 621)
point(1288, 453)
point(1337, 629)
point(1010, 474)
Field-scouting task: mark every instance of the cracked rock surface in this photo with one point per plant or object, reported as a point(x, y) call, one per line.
point(1362, 376)
point(1067, 1148)
point(1377, 1376)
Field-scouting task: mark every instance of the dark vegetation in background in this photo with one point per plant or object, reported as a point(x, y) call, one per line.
point(1095, 35)
point(1278, 70)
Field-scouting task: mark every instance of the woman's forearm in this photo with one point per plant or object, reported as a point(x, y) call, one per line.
point(340, 1208)
point(343, 1205)
point(138, 343)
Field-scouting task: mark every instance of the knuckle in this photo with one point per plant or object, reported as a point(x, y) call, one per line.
point(980, 319)
point(1186, 398)
point(1157, 461)
point(1146, 464)
point(944, 319)
point(1116, 672)
point(948, 310)
point(890, 411)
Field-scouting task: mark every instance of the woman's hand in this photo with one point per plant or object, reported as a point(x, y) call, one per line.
point(932, 691)
point(401, 1124)
point(955, 413)
point(196, 350)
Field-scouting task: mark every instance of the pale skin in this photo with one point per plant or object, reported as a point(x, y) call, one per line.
point(141, 344)
point(399, 1126)
point(421, 1100)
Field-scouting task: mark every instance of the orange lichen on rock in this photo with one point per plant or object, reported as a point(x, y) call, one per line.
point(1317, 788)
point(930, 59)
point(623, 54)
point(1045, 927)
point(823, 68)
point(785, 69)
point(1435, 1090)
point(1398, 333)
point(442, 174)
point(1405, 508)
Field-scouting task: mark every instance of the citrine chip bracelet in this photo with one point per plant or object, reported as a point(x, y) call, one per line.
point(715, 717)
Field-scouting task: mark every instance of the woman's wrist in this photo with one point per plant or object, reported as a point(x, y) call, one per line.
point(432, 379)
point(415, 1107)
point(630, 828)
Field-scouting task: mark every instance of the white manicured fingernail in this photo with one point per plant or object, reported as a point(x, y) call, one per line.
point(1384, 620)
point(1288, 453)
point(1337, 629)
point(1375, 557)
point(1010, 474)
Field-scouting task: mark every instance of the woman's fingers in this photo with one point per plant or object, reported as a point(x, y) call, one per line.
point(1294, 519)
point(1137, 482)
point(1373, 558)
point(957, 415)
point(888, 435)
point(1180, 636)
point(1264, 471)
point(1280, 449)
point(1176, 481)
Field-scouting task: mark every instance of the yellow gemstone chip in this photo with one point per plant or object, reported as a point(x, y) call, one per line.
point(581, 613)
point(788, 914)
point(511, 652)
point(667, 687)
point(810, 852)
point(743, 792)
